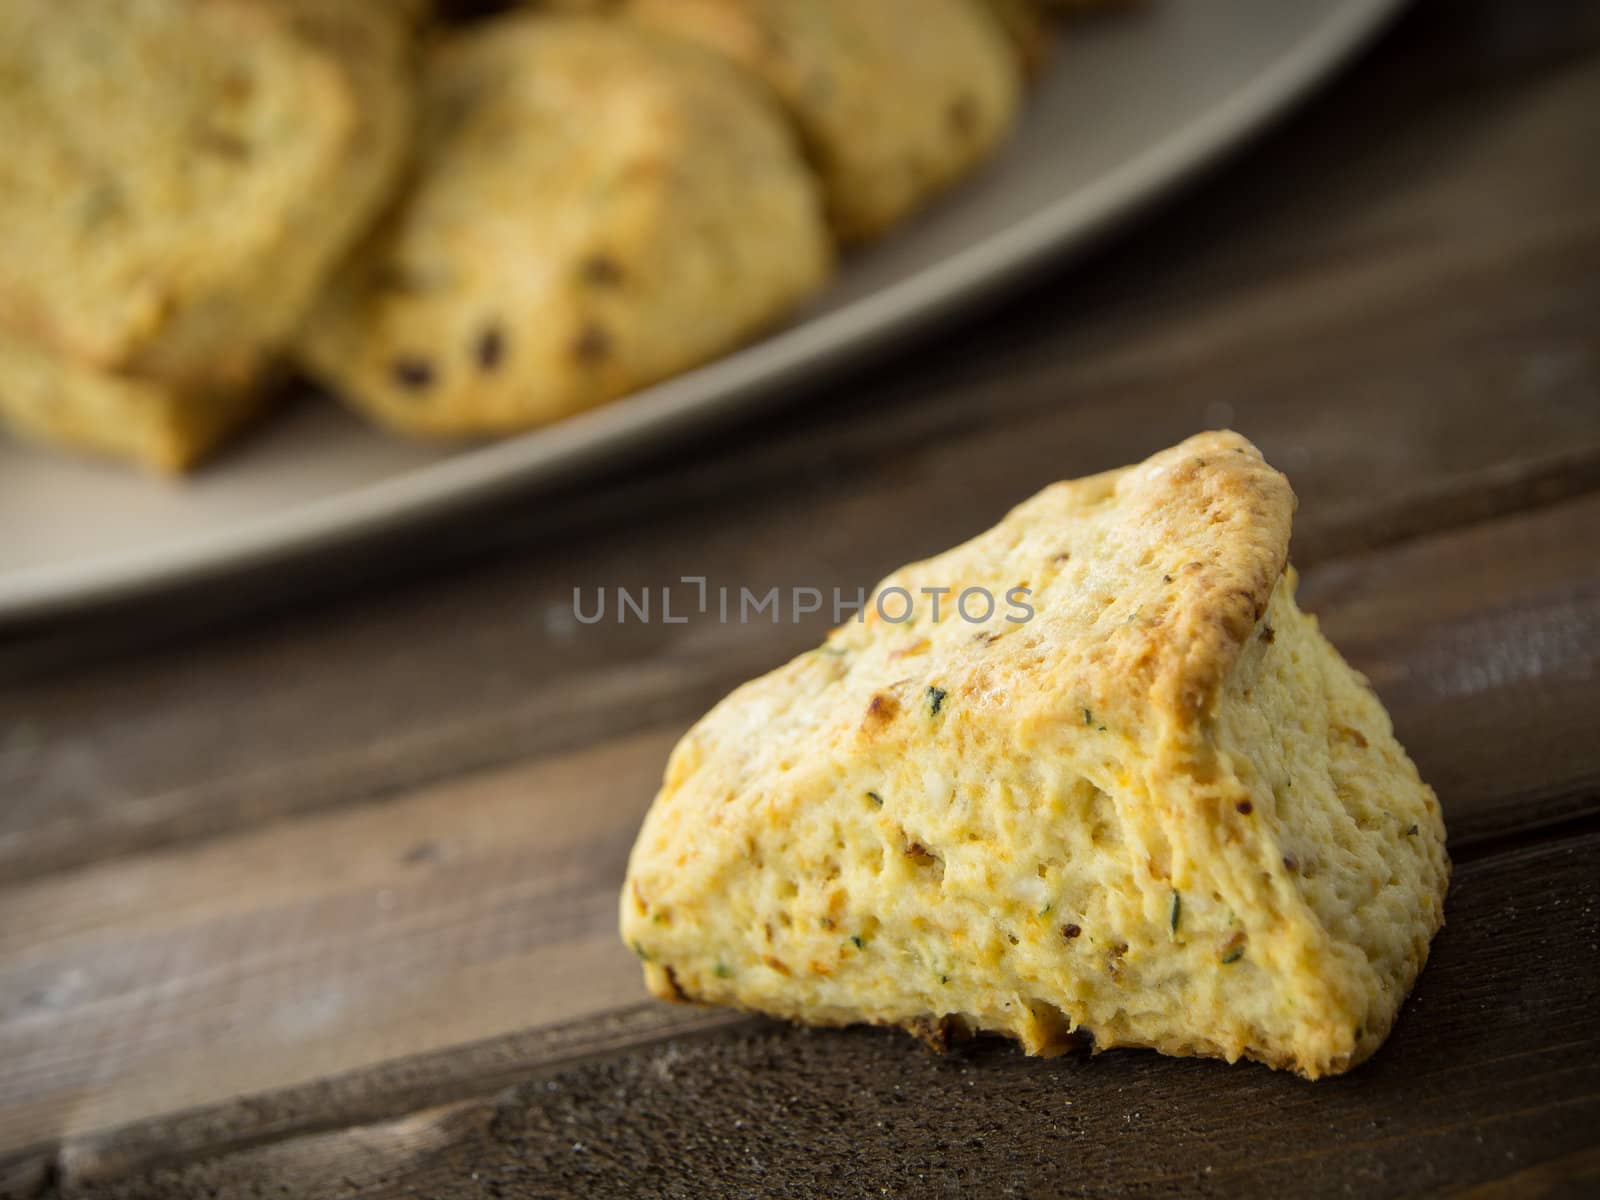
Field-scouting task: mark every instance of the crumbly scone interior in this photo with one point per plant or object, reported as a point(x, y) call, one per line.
point(1360, 837)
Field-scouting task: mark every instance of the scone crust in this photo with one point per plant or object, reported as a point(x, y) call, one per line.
point(1163, 811)
point(896, 99)
point(596, 208)
point(54, 401)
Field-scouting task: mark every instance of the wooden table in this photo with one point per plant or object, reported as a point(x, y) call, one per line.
point(307, 883)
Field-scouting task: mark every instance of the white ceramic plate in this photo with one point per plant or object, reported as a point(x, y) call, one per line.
point(1132, 104)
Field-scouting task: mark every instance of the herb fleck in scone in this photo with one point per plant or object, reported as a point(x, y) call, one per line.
point(179, 175)
point(896, 99)
point(1163, 812)
point(598, 207)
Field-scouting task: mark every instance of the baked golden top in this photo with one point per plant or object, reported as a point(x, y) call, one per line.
point(1162, 809)
point(1146, 583)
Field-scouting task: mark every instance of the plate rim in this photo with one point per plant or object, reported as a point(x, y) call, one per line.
point(741, 380)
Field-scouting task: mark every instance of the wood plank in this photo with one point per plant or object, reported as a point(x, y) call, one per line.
point(403, 1086)
point(335, 941)
point(176, 979)
point(1491, 1081)
point(1410, 356)
point(1484, 644)
point(420, 795)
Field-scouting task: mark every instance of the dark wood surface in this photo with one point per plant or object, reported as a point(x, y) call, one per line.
point(307, 882)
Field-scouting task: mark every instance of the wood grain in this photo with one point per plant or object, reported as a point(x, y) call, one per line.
point(402, 1086)
point(165, 981)
point(335, 941)
point(1484, 644)
point(1492, 1074)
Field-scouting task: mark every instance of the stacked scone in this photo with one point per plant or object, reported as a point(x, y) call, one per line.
point(179, 178)
point(459, 228)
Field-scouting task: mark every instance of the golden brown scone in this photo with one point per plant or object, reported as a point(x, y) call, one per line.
point(574, 6)
point(180, 174)
point(54, 401)
point(896, 99)
point(1025, 26)
point(597, 208)
point(1163, 812)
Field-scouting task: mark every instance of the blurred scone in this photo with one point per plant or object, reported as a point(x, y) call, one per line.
point(47, 398)
point(896, 99)
point(1027, 29)
point(596, 208)
point(1159, 810)
point(180, 174)
point(573, 6)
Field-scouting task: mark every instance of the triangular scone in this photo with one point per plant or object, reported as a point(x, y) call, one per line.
point(1163, 812)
